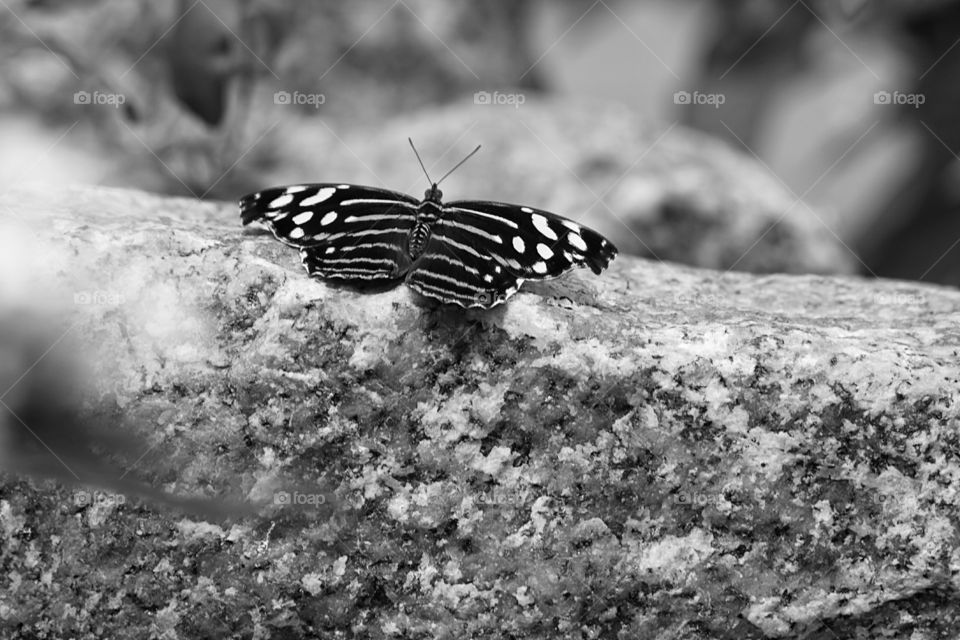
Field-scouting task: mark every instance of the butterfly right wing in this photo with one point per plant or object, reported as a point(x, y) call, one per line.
point(344, 231)
point(532, 243)
point(480, 252)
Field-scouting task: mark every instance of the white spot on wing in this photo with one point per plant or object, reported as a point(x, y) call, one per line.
point(343, 186)
point(540, 267)
point(297, 188)
point(541, 224)
point(526, 210)
point(577, 242)
point(282, 201)
point(487, 277)
point(518, 244)
point(296, 233)
point(545, 252)
point(302, 218)
point(330, 250)
point(573, 226)
point(328, 218)
point(318, 197)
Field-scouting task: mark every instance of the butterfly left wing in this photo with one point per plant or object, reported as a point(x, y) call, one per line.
point(480, 252)
point(345, 232)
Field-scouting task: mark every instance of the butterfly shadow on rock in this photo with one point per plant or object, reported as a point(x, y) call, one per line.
point(569, 291)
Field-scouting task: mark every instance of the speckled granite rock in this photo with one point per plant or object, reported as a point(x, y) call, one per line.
point(657, 189)
point(660, 452)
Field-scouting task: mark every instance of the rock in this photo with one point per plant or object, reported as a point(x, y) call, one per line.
point(660, 451)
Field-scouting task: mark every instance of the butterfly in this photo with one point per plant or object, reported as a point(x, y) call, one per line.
point(472, 253)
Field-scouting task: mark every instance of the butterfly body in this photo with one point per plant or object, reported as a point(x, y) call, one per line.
point(470, 253)
point(428, 214)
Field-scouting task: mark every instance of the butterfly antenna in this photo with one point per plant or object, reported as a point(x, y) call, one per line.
point(420, 161)
point(469, 155)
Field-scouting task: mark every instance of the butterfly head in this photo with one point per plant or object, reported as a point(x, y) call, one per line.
point(433, 194)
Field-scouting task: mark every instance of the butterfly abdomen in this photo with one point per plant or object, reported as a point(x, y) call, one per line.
point(418, 240)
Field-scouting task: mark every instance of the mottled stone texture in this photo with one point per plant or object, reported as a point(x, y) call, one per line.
point(659, 452)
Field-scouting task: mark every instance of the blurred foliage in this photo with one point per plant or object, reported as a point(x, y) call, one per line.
point(198, 79)
point(757, 48)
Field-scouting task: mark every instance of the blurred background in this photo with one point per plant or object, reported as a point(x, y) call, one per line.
point(764, 135)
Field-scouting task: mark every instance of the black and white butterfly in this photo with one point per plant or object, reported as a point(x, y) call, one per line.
point(472, 253)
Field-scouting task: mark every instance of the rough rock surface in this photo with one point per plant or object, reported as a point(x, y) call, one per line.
point(659, 452)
